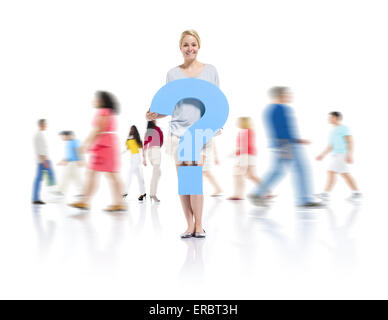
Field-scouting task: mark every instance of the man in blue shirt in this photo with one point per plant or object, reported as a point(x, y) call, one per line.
point(72, 162)
point(287, 150)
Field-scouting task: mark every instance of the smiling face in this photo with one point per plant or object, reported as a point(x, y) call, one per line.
point(189, 48)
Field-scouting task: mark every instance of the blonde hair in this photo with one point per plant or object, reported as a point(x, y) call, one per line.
point(190, 33)
point(244, 123)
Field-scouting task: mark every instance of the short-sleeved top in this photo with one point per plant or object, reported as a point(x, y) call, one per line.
point(337, 139)
point(40, 145)
point(153, 138)
point(71, 150)
point(189, 111)
point(132, 146)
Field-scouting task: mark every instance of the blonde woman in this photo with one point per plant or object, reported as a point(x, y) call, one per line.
point(186, 113)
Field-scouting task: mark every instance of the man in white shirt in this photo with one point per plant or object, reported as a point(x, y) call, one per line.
point(44, 164)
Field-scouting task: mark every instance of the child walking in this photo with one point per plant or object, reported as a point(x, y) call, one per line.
point(72, 163)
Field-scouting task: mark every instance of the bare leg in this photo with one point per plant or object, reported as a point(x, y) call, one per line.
point(350, 181)
point(196, 201)
point(116, 187)
point(186, 206)
point(90, 185)
point(213, 181)
point(239, 186)
point(251, 175)
point(331, 178)
point(188, 211)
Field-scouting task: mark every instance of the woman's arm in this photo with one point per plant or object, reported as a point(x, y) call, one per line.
point(144, 157)
point(153, 116)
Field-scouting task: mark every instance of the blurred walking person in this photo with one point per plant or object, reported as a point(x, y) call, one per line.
point(44, 164)
point(153, 141)
point(133, 144)
point(71, 163)
point(287, 151)
point(341, 146)
point(103, 145)
point(245, 167)
point(210, 156)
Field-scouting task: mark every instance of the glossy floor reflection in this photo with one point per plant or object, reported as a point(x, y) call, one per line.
point(250, 252)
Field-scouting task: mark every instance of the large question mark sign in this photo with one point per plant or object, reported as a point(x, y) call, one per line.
point(201, 132)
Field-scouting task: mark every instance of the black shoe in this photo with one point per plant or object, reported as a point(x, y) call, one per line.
point(125, 195)
point(38, 202)
point(312, 205)
point(142, 197)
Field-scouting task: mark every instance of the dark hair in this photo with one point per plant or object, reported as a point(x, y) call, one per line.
point(41, 122)
point(66, 133)
point(135, 133)
point(276, 92)
point(151, 124)
point(336, 114)
point(108, 101)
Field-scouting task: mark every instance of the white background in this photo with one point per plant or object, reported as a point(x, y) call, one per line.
point(56, 54)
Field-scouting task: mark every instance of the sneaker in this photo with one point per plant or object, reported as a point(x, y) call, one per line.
point(257, 200)
point(38, 202)
point(355, 196)
point(312, 205)
point(323, 196)
point(57, 193)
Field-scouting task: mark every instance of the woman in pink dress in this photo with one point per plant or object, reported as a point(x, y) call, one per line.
point(103, 146)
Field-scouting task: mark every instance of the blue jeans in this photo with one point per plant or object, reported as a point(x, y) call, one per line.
point(38, 179)
point(301, 174)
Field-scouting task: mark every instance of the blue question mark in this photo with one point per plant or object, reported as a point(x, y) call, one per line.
point(201, 132)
